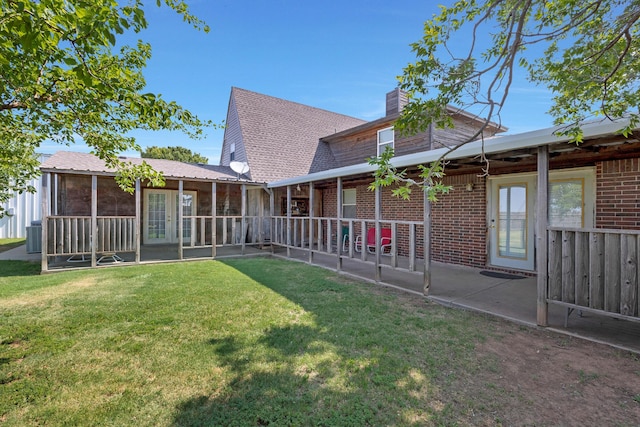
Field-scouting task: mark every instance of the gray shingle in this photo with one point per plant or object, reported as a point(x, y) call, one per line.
point(282, 138)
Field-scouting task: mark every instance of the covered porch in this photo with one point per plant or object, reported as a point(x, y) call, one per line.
point(89, 221)
point(590, 270)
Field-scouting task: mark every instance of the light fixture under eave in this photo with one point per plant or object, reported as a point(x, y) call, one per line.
point(298, 188)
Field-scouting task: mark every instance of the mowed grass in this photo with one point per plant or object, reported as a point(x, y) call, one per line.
point(6, 243)
point(245, 342)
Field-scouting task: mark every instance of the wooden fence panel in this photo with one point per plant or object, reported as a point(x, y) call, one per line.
point(582, 253)
point(629, 275)
point(596, 270)
point(568, 267)
point(612, 273)
point(555, 265)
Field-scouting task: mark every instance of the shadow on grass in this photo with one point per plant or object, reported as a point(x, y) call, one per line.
point(352, 357)
point(19, 268)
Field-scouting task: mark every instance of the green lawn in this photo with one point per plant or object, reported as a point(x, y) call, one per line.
point(261, 341)
point(6, 244)
point(247, 342)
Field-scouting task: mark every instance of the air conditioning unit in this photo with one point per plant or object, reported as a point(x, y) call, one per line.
point(34, 239)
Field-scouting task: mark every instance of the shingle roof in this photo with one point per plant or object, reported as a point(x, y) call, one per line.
point(282, 138)
point(72, 162)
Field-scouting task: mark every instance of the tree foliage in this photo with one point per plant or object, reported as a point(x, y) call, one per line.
point(63, 79)
point(179, 154)
point(587, 53)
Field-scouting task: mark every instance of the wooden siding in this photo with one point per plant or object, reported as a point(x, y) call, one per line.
point(355, 148)
point(232, 134)
point(595, 269)
point(396, 100)
point(463, 130)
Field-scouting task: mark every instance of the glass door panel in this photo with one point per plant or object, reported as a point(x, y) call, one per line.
point(161, 209)
point(188, 209)
point(156, 222)
point(512, 221)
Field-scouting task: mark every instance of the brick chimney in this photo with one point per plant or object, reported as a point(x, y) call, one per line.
point(396, 100)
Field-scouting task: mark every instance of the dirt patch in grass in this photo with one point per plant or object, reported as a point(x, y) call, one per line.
point(525, 376)
point(46, 295)
point(543, 378)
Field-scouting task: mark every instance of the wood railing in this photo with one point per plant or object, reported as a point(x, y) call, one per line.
point(595, 269)
point(71, 235)
point(229, 230)
point(328, 236)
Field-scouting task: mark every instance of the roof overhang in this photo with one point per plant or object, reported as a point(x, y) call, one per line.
point(493, 145)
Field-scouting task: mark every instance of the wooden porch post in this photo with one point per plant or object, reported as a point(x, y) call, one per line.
point(542, 217)
point(44, 239)
point(260, 218)
point(378, 212)
point(288, 221)
point(138, 220)
point(53, 205)
point(426, 244)
point(339, 225)
point(243, 220)
point(214, 221)
point(94, 218)
point(274, 220)
point(311, 215)
point(180, 222)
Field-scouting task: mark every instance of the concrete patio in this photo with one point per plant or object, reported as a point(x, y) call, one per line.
point(453, 286)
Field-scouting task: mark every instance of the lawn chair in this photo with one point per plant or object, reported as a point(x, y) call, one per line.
point(385, 241)
point(345, 238)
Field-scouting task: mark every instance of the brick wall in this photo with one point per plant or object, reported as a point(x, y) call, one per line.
point(459, 223)
point(458, 219)
point(618, 194)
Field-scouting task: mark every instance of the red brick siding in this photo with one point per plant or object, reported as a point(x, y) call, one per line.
point(618, 194)
point(458, 219)
point(459, 223)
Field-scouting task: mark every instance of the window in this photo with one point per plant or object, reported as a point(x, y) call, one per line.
point(232, 154)
point(385, 139)
point(566, 200)
point(349, 203)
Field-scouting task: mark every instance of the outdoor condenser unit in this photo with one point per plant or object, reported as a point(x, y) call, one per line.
point(34, 237)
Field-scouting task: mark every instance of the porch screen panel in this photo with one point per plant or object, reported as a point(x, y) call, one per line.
point(157, 215)
point(566, 199)
point(187, 210)
point(512, 221)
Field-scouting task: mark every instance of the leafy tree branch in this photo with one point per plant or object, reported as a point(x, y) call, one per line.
point(586, 53)
point(63, 79)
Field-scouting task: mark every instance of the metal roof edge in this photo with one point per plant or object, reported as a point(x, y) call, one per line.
point(492, 145)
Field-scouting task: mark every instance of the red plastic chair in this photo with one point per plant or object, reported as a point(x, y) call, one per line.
point(385, 241)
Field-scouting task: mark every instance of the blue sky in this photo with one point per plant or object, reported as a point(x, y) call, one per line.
point(341, 56)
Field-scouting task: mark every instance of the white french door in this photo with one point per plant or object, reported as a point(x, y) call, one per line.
point(511, 224)
point(512, 200)
point(161, 215)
